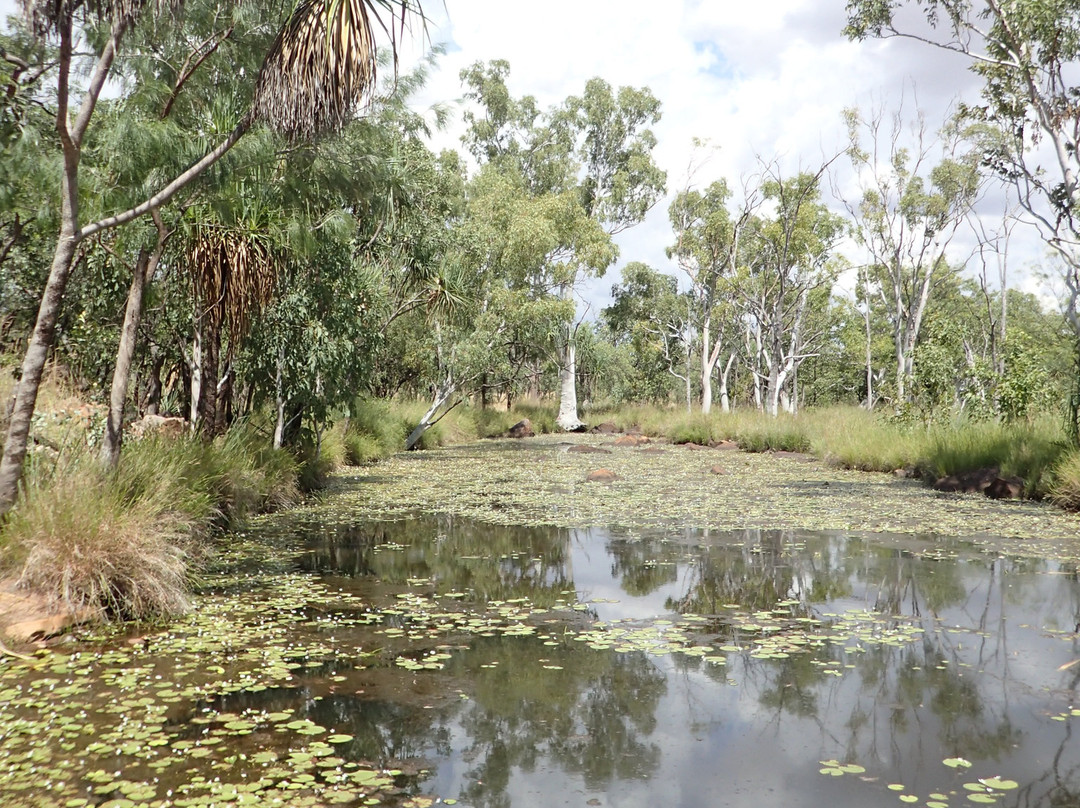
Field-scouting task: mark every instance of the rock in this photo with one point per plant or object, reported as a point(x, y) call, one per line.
point(631, 440)
point(718, 470)
point(694, 447)
point(1006, 488)
point(601, 476)
point(164, 425)
point(27, 617)
point(970, 482)
point(606, 428)
point(522, 429)
point(582, 448)
point(728, 445)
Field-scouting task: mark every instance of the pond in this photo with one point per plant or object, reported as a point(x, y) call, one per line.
point(437, 657)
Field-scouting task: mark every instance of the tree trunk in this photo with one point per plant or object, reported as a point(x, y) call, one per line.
point(196, 374)
point(442, 395)
point(725, 401)
point(279, 400)
point(209, 388)
point(153, 391)
point(33, 364)
point(114, 424)
point(568, 414)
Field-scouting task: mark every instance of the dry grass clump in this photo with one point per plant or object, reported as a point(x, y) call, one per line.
point(1065, 481)
point(81, 541)
point(130, 540)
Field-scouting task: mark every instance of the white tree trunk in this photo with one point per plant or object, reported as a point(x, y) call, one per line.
point(725, 401)
point(196, 376)
point(568, 410)
point(442, 395)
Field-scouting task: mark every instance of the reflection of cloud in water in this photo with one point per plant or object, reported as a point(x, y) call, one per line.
point(592, 575)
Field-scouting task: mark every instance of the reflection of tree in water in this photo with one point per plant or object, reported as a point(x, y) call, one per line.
point(643, 566)
point(492, 561)
point(768, 567)
point(591, 718)
point(917, 703)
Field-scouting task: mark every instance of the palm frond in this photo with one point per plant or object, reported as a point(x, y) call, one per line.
point(234, 273)
point(319, 69)
point(45, 15)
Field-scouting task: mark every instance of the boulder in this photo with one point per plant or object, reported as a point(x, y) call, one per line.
point(720, 470)
point(163, 425)
point(583, 448)
point(728, 445)
point(694, 447)
point(969, 482)
point(606, 428)
point(1006, 488)
point(631, 440)
point(522, 429)
point(601, 476)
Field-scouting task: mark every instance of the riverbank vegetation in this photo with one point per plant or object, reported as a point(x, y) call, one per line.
point(335, 291)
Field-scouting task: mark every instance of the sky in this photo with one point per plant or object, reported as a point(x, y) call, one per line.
point(767, 79)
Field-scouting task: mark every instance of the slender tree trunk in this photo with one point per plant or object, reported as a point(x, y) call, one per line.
point(442, 395)
point(32, 367)
point(725, 400)
point(144, 270)
point(196, 374)
point(209, 388)
point(153, 392)
point(114, 424)
point(279, 400)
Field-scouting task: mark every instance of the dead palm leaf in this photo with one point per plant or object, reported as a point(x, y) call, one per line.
point(319, 69)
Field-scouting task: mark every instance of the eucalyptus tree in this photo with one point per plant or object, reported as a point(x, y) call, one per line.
point(788, 269)
point(656, 321)
point(595, 147)
point(708, 241)
point(907, 214)
point(1026, 54)
point(319, 67)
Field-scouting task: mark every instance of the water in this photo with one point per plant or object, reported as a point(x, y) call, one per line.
point(508, 666)
point(980, 680)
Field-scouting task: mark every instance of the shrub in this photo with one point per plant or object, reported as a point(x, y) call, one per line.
point(88, 539)
point(1065, 481)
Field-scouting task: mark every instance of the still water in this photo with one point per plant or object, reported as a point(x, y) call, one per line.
point(436, 659)
point(890, 653)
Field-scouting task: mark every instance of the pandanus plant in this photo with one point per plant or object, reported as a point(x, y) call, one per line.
point(319, 70)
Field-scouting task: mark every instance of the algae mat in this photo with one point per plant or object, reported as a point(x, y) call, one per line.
point(538, 481)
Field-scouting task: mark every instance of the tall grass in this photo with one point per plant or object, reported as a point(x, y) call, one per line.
point(1065, 481)
point(129, 541)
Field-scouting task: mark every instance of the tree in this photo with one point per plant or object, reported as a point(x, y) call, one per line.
point(318, 69)
point(595, 148)
point(656, 321)
point(788, 271)
point(906, 218)
point(1025, 52)
point(707, 248)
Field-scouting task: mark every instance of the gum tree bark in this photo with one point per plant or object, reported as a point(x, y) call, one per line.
point(144, 270)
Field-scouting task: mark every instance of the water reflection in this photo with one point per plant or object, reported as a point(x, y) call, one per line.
point(567, 722)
